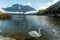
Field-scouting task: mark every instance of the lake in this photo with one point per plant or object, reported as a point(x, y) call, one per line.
point(50, 26)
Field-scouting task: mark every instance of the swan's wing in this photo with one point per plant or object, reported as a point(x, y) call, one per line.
point(33, 34)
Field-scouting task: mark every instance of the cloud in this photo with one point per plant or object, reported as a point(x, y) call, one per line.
point(1, 10)
point(55, 1)
point(46, 5)
point(29, 3)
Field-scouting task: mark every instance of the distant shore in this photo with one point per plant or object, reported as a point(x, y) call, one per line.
point(5, 16)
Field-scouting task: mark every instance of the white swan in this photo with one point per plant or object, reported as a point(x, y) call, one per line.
point(35, 33)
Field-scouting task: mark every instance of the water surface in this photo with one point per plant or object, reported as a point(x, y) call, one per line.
point(49, 25)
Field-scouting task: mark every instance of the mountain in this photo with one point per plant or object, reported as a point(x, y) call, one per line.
point(19, 8)
point(52, 10)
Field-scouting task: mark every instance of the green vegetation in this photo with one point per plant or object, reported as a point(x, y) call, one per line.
point(53, 10)
point(42, 12)
point(5, 17)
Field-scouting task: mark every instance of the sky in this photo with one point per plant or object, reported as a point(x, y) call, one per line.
point(37, 4)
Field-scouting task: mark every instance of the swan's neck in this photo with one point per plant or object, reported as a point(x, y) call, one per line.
point(39, 31)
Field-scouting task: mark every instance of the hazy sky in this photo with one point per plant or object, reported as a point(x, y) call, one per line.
point(37, 4)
